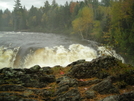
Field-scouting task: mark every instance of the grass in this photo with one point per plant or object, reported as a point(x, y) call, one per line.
point(120, 69)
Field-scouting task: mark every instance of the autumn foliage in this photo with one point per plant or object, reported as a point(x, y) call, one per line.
point(110, 22)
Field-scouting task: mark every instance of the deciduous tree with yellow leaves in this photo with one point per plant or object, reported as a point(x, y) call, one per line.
point(84, 22)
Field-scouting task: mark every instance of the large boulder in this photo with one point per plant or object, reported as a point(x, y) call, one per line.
point(72, 95)
point(12, 88)
point(13, 97)
point(123, 97)
point(90, 94)
point(89, 82)
point(105, 87)
point(65, 80)
point(93, 68)
point(46, 70)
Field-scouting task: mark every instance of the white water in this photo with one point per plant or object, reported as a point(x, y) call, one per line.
point(52, 56)
point(28, 52)
point(60, 55)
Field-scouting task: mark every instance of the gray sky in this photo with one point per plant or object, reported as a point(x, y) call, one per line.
point(28, 3)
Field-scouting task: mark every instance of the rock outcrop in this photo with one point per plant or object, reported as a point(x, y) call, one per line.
point(103, 79)
point(92, 69)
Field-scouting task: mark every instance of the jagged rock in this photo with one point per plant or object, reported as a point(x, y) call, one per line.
point(62, 89)
point(12, 88)
point(90, 94)
point(72, 95)
point(5, 69)
point(88, 83)
point(84, 70)
point(8, 72)
point(126, 76)
point(46, 93)
point(93, 68)
point(8, 97)
point(111, 98)
point(35, 68)
point(105, 87)
point(34, 83)
point(127, 96)
point(76, 62)
point(47, 78)
point(46, 70)
point(102, 75)
point(37, 81)
point(41, 83)
point(124, 97)
point(65, 80)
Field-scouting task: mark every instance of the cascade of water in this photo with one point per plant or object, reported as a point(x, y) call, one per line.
point(58, 55)
point(7, 56)
point(109, 51)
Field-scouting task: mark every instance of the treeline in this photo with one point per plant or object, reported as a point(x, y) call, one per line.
point(110, 21)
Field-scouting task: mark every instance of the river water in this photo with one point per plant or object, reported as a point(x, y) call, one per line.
point(26, 49)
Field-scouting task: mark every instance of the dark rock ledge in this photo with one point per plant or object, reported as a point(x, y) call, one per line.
point(103, 79)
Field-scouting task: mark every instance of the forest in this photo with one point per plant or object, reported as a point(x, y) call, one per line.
point(110, 22)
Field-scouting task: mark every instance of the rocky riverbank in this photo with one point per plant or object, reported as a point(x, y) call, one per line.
point(102, 79)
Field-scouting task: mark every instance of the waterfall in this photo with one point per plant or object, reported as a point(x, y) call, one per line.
point(58, 55)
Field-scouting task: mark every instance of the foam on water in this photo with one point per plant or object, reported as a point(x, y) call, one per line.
point(58, 55)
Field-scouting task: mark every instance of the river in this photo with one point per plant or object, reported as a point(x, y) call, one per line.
point(26, 49)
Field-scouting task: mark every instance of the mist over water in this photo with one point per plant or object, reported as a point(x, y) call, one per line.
point(26, 49)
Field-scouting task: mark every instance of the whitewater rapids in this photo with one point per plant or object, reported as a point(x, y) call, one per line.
point(18, 54)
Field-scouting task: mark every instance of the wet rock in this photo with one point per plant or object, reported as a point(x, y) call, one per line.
point(46, 70)
point(35, 68)
point(127, 77)
point(47, 78)
point(88, 83)
point(46, 93)
point(62, 89)
point(41, 84)
point(65, 80)
point(84, 70)
point(111, 98)
point(12, 88)
point(8, 72)
point(126, 96)
point(105, 87)
point(37, 79)
point(102, 75)
point(34, 83)
point(90, 94)
point(5, 69)
point(123, 97)
point(76, 63)
point(9, 97)
point(93, 68)
point(72, 95)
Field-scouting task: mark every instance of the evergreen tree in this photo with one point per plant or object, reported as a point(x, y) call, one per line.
point(1, 13)
point(17, 15)
point(105, 2)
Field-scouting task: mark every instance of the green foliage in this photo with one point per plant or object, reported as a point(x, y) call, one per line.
point(122, 72)
point(83, 23)
point(109, 21)
point(121, 84)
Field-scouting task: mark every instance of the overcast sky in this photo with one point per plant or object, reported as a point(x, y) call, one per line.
point(28, 3)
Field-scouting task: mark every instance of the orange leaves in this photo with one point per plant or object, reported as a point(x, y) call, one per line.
point(72, 6)
point(62, 73)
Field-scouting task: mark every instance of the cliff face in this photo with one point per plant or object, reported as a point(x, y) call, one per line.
point(103, 79)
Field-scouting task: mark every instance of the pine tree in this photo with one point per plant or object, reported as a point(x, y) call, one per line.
point(17, 15)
